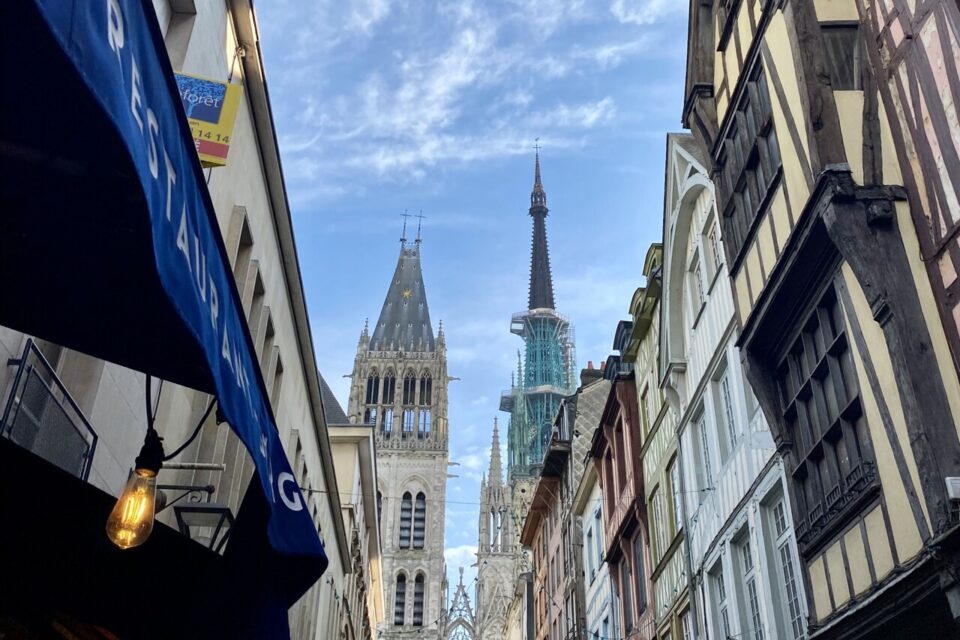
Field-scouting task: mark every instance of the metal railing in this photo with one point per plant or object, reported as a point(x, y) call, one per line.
point(41, 416)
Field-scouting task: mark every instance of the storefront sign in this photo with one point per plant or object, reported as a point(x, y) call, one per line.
point(119, 54)
point(211, 108)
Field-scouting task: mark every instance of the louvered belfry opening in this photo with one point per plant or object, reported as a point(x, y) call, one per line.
point(400, 601)
point(420, 521)
point(418, 601)
point(406, 514)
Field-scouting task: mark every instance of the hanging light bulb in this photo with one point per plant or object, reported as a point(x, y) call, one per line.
point(131, 521)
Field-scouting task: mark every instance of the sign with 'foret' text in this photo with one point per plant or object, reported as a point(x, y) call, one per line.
point(211, 108)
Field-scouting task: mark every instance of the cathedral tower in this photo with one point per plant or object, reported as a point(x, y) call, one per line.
point(496, 562)
point(400, 386)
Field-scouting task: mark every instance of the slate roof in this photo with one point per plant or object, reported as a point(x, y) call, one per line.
point(404, 322)
point(332, 410)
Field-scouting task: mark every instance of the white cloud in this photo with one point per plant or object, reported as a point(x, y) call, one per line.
point(365, 14)
point(464, 555)
point(643, 11)
point(582, 116)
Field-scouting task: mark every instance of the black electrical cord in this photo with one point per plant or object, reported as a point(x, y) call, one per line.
point(196, 432)
point(151, 416)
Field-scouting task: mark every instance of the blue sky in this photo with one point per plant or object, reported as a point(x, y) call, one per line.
point(382, 105)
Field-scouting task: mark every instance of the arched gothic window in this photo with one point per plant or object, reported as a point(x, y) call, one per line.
point(420, 521)
point(493, 530)
point(389, 388)
point(400, 600)
point(418, 600)
point(371, 398)
point(373, 388)
point(426, 389)
point(423, 427)
point(409, 388)
point(387, 424)
point(406, 514)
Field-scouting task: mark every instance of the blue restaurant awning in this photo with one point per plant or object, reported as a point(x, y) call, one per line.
point(109, 244)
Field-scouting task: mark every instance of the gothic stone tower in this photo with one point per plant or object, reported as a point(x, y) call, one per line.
point(400, 386)
point(496, 564)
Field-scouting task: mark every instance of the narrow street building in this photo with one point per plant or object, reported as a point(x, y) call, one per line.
point(841, 335)
point(551, 529)
point(616, 453)
point(654, 457)
point(600, 614)
point(399, 387)
point(354, 458)
point(729, 492)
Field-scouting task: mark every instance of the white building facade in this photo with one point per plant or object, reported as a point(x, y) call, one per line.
point(731, 489)
point(220, 41)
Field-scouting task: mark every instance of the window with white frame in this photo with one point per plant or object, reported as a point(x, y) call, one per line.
point(599, 537)
point(697, 291)
point(588, 552)
point(723, 403)
point(713, 240)
point(701, 448)
point(718, 591)
point(751, 621)
point(659, 524)
point(781, 549)
point(676, 495)
point(686, 627)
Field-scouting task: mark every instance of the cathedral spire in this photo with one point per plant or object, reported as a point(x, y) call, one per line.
point(496, 467)
point(541, 281)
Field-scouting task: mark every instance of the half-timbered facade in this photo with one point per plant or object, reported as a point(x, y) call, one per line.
point(841, 335)
point(912, 47)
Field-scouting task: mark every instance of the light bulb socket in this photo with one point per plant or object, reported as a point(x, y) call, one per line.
point(151, 454)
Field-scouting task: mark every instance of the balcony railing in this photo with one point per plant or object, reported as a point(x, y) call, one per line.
point(42, 417)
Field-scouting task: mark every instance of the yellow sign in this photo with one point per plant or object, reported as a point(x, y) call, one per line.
point(211, 108)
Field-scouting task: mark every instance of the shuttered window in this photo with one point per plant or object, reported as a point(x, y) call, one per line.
point(823, 415)
point(419, 521)
point(418, 600)
point(748, 161)
point(406, 515)
point(400, 601)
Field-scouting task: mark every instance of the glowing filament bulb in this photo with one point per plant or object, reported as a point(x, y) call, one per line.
point(131, 520)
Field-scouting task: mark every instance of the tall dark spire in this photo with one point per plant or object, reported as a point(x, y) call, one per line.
point(541, 281)
point(404, 322)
